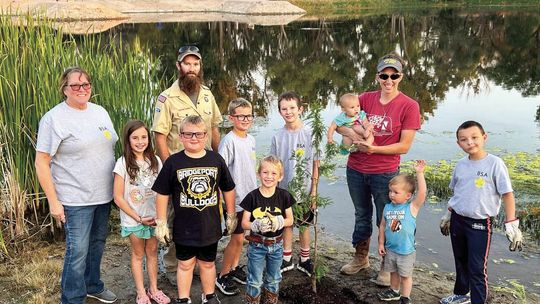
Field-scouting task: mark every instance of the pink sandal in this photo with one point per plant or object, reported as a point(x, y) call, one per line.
point(159, 297)
point(143, 300)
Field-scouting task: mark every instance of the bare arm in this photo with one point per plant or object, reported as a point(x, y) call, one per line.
point(216, 137)
point(368, 131)
point(246, 223)
point(229, 197)
point(161, 206)
point(289, 218)
point(44, 175)
point(330, 132)
point(382, 250)
point(401, 147)
point(161, 145)
point(421, 191)
point(509, 206)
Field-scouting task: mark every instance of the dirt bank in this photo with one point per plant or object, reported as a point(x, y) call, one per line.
point(100, 15)
point(429, 285)
point(33, 276)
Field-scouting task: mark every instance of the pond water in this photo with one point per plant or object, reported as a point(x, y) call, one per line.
point(461, 65)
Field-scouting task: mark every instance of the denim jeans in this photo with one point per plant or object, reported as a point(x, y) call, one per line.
point(86, 229)
point(259, 256)
point(363, 189)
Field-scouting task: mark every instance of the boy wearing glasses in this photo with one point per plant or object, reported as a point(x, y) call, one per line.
point(353, 117)
point(187, 96)
point(238, 150)
point(193, 178)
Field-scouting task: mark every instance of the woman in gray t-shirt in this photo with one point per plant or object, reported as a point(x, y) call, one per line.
point(74, 164)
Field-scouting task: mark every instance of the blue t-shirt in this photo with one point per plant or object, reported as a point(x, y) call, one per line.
point(399, 229)
point(343, 120)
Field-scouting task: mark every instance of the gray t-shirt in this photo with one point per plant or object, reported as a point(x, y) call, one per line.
point(240, 157)
point(478, 186)
point(81, 144)
point(138, 193)
point(284, 143)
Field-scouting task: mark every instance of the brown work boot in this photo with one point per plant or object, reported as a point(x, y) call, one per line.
point(360, 260)
point(269, 297)
point(383, 277)
point(252, 300)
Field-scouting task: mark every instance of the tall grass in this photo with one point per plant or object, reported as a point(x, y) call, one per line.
point(31, 60)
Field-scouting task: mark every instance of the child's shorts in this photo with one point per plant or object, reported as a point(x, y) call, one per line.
point(307, 219)
point(400, 263)
point(205, 253)
point(141, 231)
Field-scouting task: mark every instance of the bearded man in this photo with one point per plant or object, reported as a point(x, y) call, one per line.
point(187, 96)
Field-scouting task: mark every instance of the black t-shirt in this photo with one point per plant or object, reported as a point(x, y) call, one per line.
point(258, 205)
point(193, 184)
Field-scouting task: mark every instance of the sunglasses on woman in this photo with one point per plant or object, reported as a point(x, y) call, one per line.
point(394, 76)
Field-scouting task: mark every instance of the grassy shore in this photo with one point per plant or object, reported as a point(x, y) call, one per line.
point(360, 7)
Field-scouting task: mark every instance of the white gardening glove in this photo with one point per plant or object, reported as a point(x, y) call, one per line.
point(162, 231)
point(445, 223)
point(277, 221)
point(231, 223)
point(266, 224)
point(256, 226)
point(514, 235)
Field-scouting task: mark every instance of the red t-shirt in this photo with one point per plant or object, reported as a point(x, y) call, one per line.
point(402, 113)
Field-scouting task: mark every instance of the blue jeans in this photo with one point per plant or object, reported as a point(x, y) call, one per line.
point(259, 256)
point(86, 229)
point(364, 187)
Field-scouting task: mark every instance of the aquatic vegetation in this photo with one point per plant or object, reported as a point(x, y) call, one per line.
point(32, 57)
point(516, 289)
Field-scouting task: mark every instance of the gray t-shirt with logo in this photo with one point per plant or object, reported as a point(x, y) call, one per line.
point(284, 144)
point(478, 186)
point(240, 157)
point(81, 144)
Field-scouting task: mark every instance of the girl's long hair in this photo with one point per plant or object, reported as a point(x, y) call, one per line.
point(129, 157)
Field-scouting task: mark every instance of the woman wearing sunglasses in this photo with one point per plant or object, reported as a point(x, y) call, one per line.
point(74, 163)
point(395, 118)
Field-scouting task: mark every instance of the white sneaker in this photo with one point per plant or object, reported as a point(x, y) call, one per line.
point(456, 299)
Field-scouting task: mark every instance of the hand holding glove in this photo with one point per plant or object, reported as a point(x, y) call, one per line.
point(514, 235)
point(231, 222)
point(256, 225)
point(266, 224)
point(445, 223)
point(162, 231)
point(276, 222)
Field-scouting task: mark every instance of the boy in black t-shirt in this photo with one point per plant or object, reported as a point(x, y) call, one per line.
point(192, 177)
point(267, 210)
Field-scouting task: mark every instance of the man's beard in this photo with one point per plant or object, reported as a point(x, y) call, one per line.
point(188, 83)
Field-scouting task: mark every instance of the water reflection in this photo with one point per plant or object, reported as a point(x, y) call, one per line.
point(461, 66)
point(323, 59)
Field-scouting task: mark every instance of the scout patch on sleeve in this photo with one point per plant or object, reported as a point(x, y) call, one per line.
point(162, 98)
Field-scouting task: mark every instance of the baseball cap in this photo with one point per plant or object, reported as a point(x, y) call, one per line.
point(389, 63)
point(188, 50)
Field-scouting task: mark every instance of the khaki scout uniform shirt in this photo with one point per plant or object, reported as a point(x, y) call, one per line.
point(173, 105)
